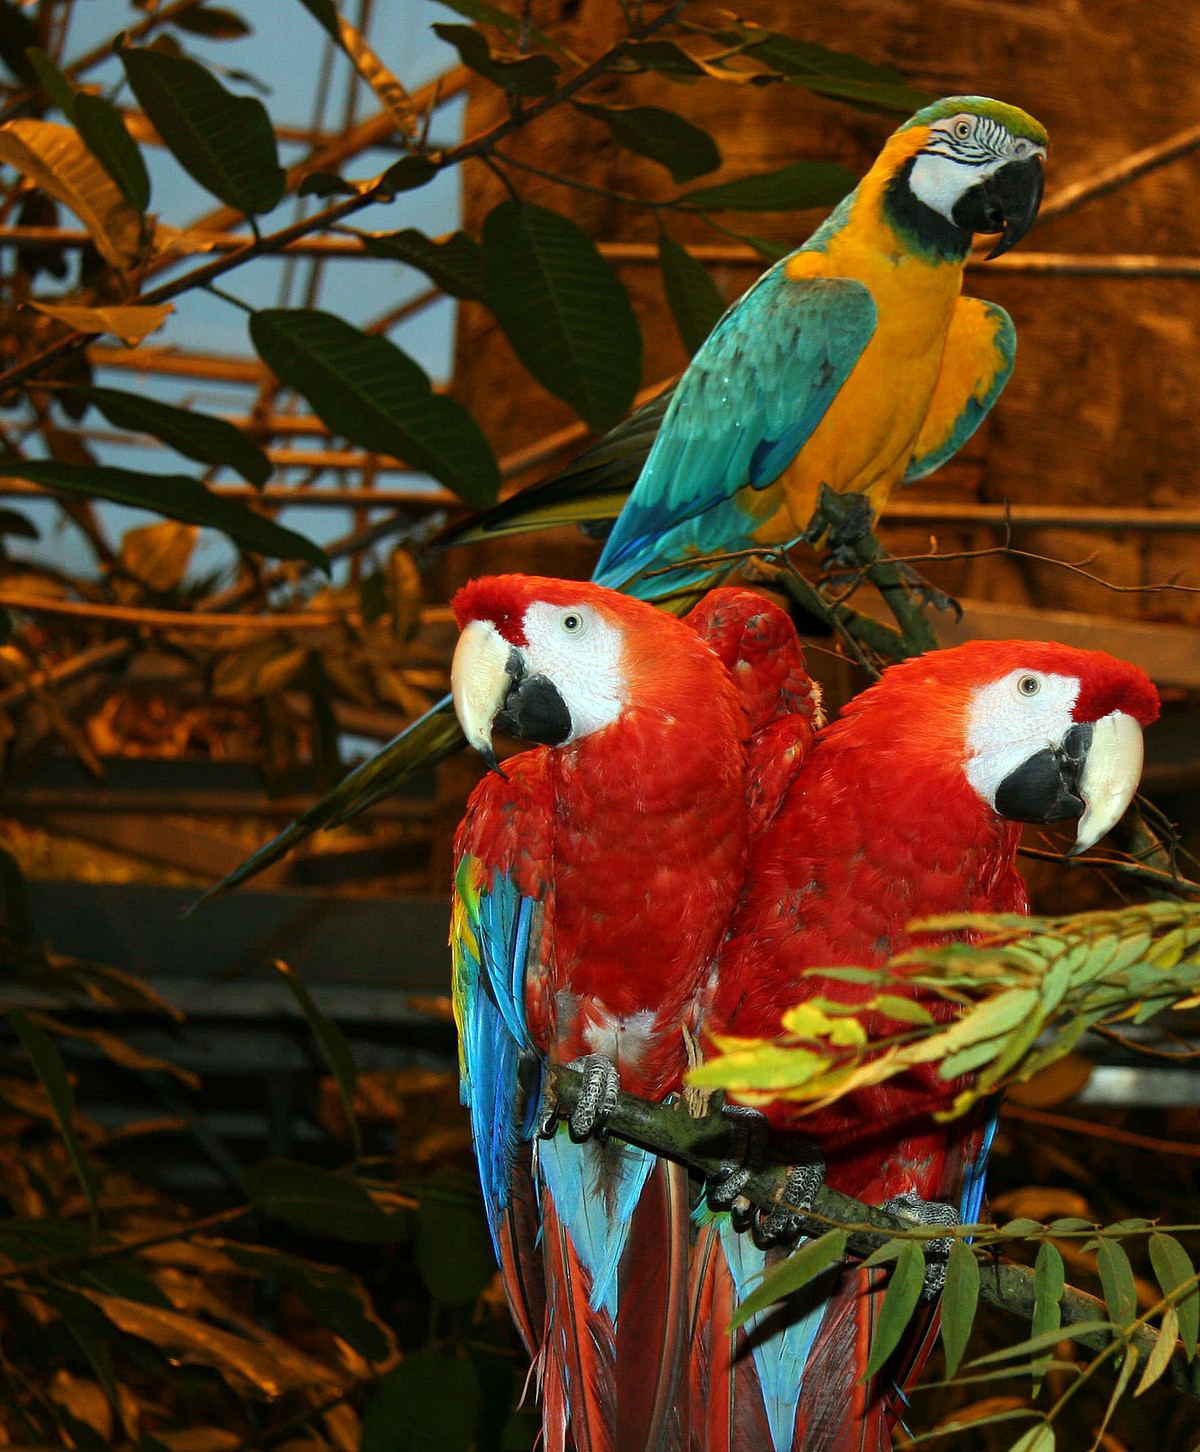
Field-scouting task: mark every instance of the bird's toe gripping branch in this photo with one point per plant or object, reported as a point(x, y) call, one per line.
point(846, 522)
point(937, 1252)
point(749, 1130)
point(596, 1102)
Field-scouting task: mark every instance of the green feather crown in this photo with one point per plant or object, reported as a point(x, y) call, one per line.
point(1018, 122)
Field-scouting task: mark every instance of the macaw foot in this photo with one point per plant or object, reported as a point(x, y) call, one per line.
point(845, 521)
point(937, 1252)
point(597, 1100)
point(928, 593)
point(782, 1222)
point(748, 1129)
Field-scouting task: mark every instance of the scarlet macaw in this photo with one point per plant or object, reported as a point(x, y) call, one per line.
point(908, 806)
point(595, 881)
point(855, 362)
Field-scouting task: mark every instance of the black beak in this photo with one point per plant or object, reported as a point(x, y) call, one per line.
point(1046, 788)
point(1006, 202)
point(533, 710)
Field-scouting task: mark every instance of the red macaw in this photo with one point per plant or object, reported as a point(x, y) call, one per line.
point(595, 881)
point(908, 806)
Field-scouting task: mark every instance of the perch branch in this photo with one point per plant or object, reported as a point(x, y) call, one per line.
point(703, 1144)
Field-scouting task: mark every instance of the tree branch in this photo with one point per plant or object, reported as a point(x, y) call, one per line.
point(706, 1143)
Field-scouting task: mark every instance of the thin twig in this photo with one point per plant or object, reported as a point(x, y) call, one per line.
point(1101, 1131)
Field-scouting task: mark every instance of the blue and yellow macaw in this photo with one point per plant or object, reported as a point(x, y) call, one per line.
point(855, 363)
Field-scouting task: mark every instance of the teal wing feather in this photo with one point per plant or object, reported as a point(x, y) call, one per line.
point(589, 492)
point(966, 413)
point(744, 408)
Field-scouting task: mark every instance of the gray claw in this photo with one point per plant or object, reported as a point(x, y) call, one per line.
point(937, 1252)
point(782, 1222)
point(597, 1097)
point(748, 1129)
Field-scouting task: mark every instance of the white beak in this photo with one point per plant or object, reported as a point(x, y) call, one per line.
point(479, 682)
point(1110, 777)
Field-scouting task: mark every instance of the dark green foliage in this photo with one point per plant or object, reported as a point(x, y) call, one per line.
point(686, 150)
point(370, 392)
point(455, 264)
point(692, 295)
point(223, 141)
point(563, 309)
point(532, 76)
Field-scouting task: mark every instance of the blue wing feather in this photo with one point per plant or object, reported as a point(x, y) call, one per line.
point(744, 408)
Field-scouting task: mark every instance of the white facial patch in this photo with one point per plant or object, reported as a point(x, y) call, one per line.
point(582, 654)
point(959, 152)
point(1011, 720)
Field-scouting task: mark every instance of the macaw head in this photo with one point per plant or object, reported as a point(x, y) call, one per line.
point(1042, 732)
point(554, 661)
point(967, 165)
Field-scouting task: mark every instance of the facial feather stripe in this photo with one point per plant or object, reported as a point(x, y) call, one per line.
point(989, 141)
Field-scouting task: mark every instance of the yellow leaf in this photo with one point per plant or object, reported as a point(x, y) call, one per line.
point(767, 1067)
point(807, 1021)
point(268, 1369)
point(55, 158)
point(84, 1400)
point(158, 555)
point(391, 93)
point(117, 1050)
point(1055, 1084)
point(1164, 1348)
point(130, 324)
point(199, 1439)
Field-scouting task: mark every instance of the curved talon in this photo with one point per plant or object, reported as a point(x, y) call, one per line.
point(846, 519)
point(597, 1097)
point(927, 593)
point(748, 1128)
point(782, 1222)
point(910, 1206)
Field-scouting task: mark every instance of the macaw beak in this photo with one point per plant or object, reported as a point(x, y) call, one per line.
point(1091, 776)
point(1109, 778)
point(492, 689)
point(1006, 202)
point(480, 681)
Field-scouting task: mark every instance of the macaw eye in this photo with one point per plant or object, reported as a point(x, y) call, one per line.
point(1029, 685)
point(572, 622)
point(1021, 149)
point(962, 129)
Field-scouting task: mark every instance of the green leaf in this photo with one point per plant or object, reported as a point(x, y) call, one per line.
point(18, 35)
point(197, 436)
point(662, 56)
point(453, 1250)
point(1049, 1280)
point(429, 1403)
point(793, 188)
point(178, 497)
point(484, 14)
point(563, 309)
point(49, 1067)
point(326, 184)
point(53, 82)
point(211, 22)
point(1164, 1348)
point(959, 1301)
point(324, 12)
point(325, 1204)
point(1116, 1279)
point(455, 265)
point(334, 1049)
point(899, 1302)
point(104, 134)
point(1037, 1439)
point(1043, 1342)
point(114, 1279)
point(16, 911)
point(370, 392)
point(335, 1297)
point(405, 175)
point(693, 297)
point(223, 141)
point(1173, 1268)
point(684, 149)
point(804, 1265)
point(530, 76)
point(832, 72)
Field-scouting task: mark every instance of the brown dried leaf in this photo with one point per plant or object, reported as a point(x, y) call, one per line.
point(130, 324)
point(56, 159)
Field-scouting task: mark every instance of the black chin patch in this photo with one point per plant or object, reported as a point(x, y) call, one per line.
point(1046, 787)
point(534, 711)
